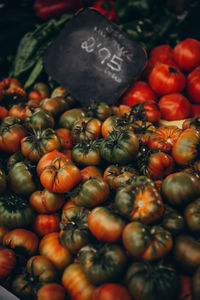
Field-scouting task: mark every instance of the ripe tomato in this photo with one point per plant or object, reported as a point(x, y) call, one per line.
point(152, 112)
point(7, 262)
point(174, 106)
point(195, 111)
point(111, 291)
point(51, 247)
point(76, 282)
point(65, 137)
point(22, 240)
point(139, 91)
point(161, 49)
point(193, 86)
point(105, 225)
point(3, 112)
point(165, 79)
point(90, 171)
point(45, 224)
point(187, 54)
point(46, 202)
point(53, 291)
point(157, 60)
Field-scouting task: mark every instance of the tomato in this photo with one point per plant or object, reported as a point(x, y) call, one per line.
point(173, 221)
point(99, 110)
point(196, 284)
point(111, 291)
point(152, 281)
point(164, 138)
point(139, 91)
point(107, 9)
point(146, 243)
point(60, 178)
point(187, 54)
point(70, 116)
point(39, 270)
point(50, 246)
point(40, 142)
point(155, 60)
point(55, 106)
point(46, 202)
point(174, 106)
point(117, 176)
point(53, 291)
point(186, 253)
point(18, 110)
point(3, 112)
point(3, 181)
point(90, 171)
point(21, 179)
point(47, 159)
point(186, 292)
point(7, 262)
point(139, 203)
point(119, 147)
point(85, 129)
point(15, 211)
point(45, 224)
point(185, 149)
point(91, 192)
point(109, 124)
point(87, 153)
point(76, 282)
point(161, 49)
point(21, 241)
point(40, 119)
point(192, 216)
point(156, 164)
point(42, 89)
point(11, 133)
point(103, 262)
point(193, 85)
point(195, 112)
point(180, 188)
point(152, 112)
point(165, 79)
point(64, 137)
point(105, 224)
point(3, 231)
point(74, 228)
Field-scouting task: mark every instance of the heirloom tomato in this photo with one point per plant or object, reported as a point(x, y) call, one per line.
point(76, 282)
point(50, 246)
point(87, 153)
point(99, 110)
point(105, 224)
point(54, 106)
point(180, 188)
point(173, 221)
point(192, 216)
point(69, 117)
point(111, 291)
point(53, 291)
point(7, 262)
point(147, 281)
point(45, 224)
point(103, 262)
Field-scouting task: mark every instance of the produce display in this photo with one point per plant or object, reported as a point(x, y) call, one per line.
point(101, 202)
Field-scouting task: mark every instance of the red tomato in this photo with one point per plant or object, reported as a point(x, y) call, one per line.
point(106, 8)
point(64, 135)
point(53, 291)
point(45, 224)
point(152, 111)
point(193, 86)
point(139, 91)
point(111, 291)
point(161, 49)
point(157, 60)
point(186, 292)
point(7, 262)
point(187, 54)
point(3, 112)
point(165, 79)
point(195, 110)
point(174, 107)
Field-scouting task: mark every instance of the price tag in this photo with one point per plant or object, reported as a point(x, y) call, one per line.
point(93, 59)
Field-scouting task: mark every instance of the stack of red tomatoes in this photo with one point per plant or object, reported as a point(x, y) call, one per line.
point(103, 203)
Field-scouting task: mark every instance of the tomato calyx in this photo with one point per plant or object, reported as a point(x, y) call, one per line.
point(173, 70)
point(13, 200)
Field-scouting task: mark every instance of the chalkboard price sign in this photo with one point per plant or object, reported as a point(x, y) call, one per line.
point(93, 59)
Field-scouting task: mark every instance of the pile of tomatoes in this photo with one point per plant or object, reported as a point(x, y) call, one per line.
point(103, 203)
